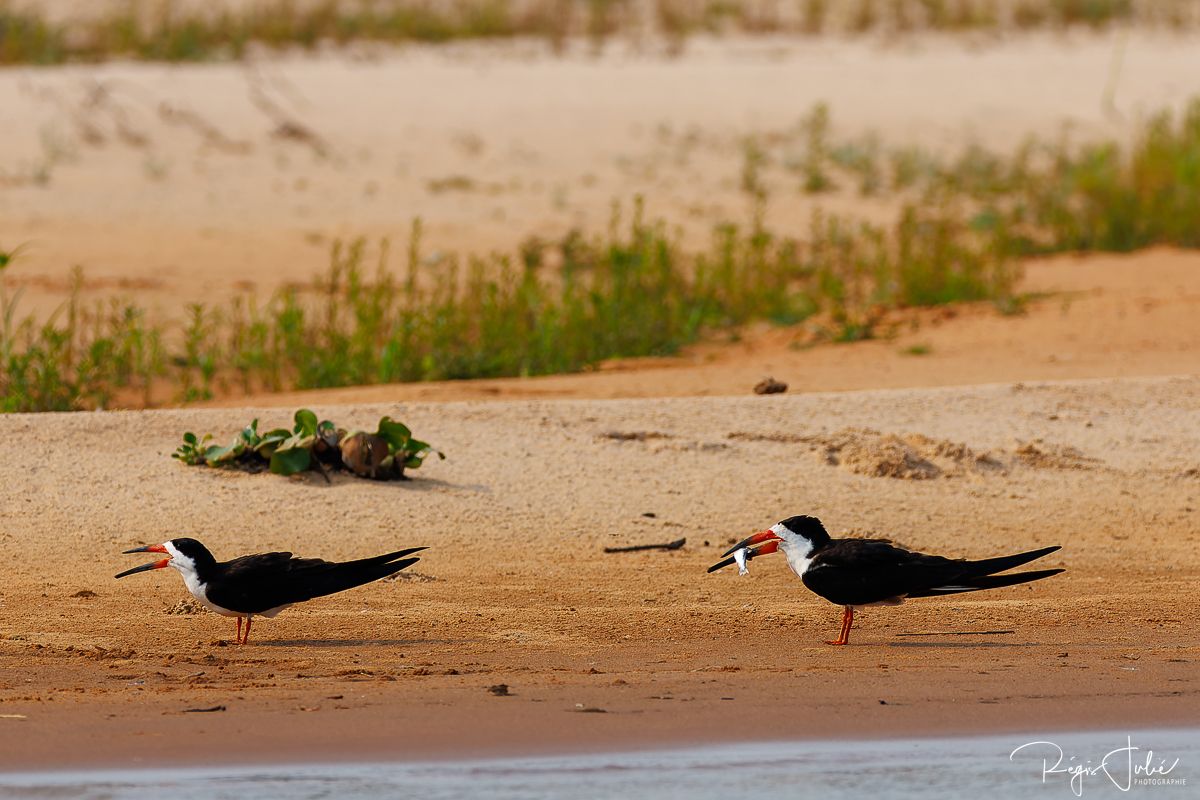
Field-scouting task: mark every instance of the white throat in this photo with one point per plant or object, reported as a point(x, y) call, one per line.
point(796, 549)
point(187, 568)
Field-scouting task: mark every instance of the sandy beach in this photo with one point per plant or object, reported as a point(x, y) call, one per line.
point(960, 430)
point(515, 588)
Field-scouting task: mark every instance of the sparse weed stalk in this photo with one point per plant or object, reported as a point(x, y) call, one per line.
point(754, 161)
point(816, 132)
point(198, 362)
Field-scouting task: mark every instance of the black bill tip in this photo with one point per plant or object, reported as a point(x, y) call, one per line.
point(143, 568)
point(721, 564)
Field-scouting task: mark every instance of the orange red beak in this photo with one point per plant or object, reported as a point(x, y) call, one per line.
point(768, 543)
point(152, 548)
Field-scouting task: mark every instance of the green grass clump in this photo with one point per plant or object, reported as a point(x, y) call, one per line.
point(169, 35)
point(1041, 198)
point(81, 357)
point(1106, 198)
point(28, 39)
point(560, 307)
point(631, 293)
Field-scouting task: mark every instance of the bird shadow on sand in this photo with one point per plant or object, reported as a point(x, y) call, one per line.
point(429, 484)
point(415, 484)
point(943, 643)
point(357, 642)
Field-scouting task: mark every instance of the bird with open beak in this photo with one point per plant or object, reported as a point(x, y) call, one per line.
point(266, 583)
point(868, 572)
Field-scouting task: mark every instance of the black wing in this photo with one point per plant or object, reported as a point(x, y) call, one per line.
point(257, 583)
point(862, 571)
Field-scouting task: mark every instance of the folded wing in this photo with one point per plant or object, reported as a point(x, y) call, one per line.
point(863, 571)
point(267, 580)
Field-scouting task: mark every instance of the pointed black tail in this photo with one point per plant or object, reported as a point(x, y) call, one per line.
point(990, 566)
point(320, 578)
point(979, 582)
point(389, 556)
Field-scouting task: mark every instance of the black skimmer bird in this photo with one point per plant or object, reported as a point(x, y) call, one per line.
point(263, 585)
point(869, 572)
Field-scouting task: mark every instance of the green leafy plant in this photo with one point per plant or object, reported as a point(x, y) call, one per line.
point(313, 444)
point(193, 450)
point(80, 356)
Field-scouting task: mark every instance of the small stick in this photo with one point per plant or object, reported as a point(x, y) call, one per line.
point(321, 469)
point(675, 545)
point(203, 710)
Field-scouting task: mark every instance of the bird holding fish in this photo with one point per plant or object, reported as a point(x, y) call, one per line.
point(854, 573)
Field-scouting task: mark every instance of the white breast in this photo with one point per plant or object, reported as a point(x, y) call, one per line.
point(197, 589)
point(187, 568)
point(798, 563)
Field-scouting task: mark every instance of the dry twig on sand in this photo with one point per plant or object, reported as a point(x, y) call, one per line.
point(675, 545)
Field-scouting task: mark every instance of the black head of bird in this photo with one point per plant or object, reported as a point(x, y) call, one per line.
point(186, 555)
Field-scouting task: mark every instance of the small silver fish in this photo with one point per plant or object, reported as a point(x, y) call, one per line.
point(739, 556)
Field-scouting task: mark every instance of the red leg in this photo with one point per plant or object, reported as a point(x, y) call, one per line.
point(847, 623)
point(238, 638)
point(246, 638)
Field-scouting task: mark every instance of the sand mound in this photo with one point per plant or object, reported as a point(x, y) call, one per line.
point(1047, 456)
point(910, 456)
point(916, 457)
point(185, 607)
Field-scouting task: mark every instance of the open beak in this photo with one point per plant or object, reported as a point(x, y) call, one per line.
point(768, 543)
point(152, 548)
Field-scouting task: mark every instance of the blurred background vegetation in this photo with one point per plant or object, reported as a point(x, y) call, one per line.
point(179, 30)
point(961, 225)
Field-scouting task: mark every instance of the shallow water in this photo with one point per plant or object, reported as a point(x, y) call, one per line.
point(929, 769)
